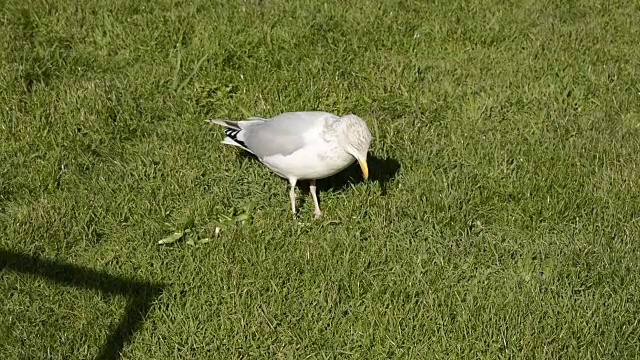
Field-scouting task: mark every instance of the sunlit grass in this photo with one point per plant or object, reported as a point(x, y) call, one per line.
point(502, 219)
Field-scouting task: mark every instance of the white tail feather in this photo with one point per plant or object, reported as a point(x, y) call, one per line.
point(225, 123)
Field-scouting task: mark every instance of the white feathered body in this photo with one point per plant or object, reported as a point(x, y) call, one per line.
point(301, 146)
point(318, 159)
point(304, 145)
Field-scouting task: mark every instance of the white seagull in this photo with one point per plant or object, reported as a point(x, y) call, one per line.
point(305, 145)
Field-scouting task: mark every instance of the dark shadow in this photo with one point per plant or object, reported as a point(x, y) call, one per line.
point(381, 171)
point(242, 155)
point(139, 293)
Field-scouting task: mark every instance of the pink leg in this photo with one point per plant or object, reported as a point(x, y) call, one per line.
point(292, 195)
point(312, 188)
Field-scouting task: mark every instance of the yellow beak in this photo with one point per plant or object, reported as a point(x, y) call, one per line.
point(364, 167)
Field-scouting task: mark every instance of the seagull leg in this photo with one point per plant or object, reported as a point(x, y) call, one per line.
point(312, 188)
point(292, 195)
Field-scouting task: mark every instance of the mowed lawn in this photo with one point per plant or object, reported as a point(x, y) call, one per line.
point(501, 220)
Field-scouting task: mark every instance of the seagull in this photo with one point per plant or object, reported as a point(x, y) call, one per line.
point(304, 145)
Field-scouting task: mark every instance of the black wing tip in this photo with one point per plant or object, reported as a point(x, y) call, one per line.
point(233, 135)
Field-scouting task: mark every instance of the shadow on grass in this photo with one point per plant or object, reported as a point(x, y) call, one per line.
point(140, 294)
point(381, 171)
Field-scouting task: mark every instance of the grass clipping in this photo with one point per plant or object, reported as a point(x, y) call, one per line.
point(192, 235)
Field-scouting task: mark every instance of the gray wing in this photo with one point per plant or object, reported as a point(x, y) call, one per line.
point(284, 133)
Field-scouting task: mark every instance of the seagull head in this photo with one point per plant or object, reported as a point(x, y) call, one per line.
point(355, 138)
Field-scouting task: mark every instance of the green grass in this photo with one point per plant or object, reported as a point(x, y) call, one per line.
point(510, 230)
